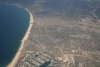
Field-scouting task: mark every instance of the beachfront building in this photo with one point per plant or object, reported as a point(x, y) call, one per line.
point(26, 64)
point(35, 60)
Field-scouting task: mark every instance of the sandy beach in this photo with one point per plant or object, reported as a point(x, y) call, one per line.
point(22, 43)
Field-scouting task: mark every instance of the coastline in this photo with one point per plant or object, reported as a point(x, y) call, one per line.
point(13, 62)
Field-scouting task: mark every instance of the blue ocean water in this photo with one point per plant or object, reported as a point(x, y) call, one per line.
point(14, 22)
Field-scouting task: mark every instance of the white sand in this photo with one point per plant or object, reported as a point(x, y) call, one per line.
point(22, 44)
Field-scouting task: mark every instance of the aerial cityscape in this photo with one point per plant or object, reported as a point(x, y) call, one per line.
point(61, 33)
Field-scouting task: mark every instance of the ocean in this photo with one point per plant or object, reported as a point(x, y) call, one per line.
point(14, 22)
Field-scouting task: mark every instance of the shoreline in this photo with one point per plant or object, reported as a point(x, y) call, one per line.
point(13, 62)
